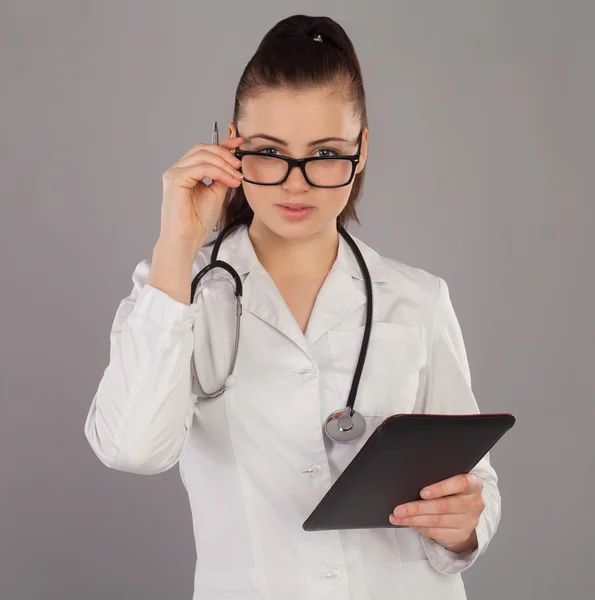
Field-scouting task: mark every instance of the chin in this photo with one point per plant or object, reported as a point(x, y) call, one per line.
point(313, 225)
point(293, 231)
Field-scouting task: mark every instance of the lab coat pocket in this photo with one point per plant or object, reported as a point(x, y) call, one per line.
point(421, 579)
point(409, 543)
point(390, 376)
point(422, 582)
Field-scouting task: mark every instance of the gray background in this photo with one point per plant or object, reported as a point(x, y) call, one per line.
point(481, 170)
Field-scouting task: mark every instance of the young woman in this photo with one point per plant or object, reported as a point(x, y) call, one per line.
point(256, 459)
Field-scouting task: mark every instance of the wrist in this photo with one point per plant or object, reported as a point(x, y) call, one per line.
point(183, 250)
point(470, 544)
point(171, 269)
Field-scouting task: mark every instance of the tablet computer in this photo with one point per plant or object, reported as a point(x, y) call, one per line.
point(404, 454)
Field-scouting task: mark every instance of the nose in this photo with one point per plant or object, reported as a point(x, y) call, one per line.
point(296, 182)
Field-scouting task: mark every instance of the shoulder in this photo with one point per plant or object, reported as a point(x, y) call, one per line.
point(411, 285)
point(405, 293)
point(395, 275)
point(419, 290)
point(427, 297)
point(203, 258)
point(418, 282)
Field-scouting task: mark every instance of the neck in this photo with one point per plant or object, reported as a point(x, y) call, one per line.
point(304, 256)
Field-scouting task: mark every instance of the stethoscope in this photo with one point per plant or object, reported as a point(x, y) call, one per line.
point(345, 425)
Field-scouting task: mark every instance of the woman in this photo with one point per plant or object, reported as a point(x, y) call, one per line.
point(254, 460)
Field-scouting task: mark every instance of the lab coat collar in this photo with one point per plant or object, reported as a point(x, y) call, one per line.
point(237, 250)
point(342, 293)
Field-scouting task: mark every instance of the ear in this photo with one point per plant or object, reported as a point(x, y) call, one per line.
point(231, 130)
point(363, 152)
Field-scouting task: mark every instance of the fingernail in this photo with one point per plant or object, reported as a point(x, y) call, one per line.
point(426, 493)
point(400, 511)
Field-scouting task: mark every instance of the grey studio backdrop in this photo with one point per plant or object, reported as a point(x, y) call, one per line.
point(481, 170)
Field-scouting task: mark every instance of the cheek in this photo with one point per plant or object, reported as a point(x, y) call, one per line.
point(261, 198)
point(334, 201)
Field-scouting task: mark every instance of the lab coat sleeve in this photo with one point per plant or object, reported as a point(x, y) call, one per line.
point(445, 388)
point(141, 413)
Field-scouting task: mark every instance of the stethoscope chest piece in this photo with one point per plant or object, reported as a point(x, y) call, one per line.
point(340, 426)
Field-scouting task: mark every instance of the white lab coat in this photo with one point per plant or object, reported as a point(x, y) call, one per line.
point(254, 461)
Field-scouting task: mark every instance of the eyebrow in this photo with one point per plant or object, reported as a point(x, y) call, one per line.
point(264, 136)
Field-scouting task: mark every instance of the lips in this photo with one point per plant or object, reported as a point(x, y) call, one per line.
point(296, 206)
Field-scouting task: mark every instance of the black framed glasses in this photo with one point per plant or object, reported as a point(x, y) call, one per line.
point(319, 171)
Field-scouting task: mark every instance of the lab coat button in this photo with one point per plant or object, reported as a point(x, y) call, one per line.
point(335, 574)
point(230, 381)
point(315, 471)
point(307, 371)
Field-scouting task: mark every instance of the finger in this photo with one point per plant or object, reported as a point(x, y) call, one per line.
point(220, 189)
point(440, 506)
point(445, 537)
point(230, 164)
point(468, 483)
point(190, 176)
point(227, 155)
point(223, 148)
point(232, 143)
point(447, 521)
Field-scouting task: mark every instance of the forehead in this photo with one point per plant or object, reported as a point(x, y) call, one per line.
point(295, 115)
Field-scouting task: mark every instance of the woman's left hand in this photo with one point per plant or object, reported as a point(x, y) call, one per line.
point(451, 515)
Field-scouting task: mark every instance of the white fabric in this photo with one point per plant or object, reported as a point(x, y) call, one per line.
point(255, 461)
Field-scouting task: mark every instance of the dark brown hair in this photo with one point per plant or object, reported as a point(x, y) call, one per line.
point(288, 57)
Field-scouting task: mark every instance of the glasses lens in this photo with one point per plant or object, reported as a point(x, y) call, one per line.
point(329, 172)
point(270, 169)
point(263, 169)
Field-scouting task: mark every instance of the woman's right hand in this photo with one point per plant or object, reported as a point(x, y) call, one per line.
point(190, 208)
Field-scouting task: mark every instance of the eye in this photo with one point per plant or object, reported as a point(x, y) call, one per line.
point(264, 150)
point(331, 151)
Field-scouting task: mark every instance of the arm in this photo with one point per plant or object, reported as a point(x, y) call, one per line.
point(445, 388)
point(140, 416)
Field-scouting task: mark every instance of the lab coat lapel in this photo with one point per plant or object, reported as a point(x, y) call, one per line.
point(261, 296)
point(338, 297)
point(342, 292)
point(263, 299)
